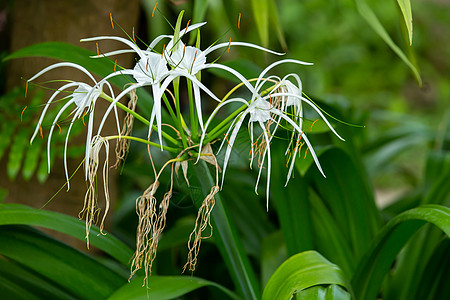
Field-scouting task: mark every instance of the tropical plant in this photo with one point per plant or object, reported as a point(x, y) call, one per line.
point(315, 233)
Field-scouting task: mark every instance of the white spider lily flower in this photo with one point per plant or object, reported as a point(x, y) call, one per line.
point(260, 112)
point(83, 97)
point(189, 59)
point(134, 48)
point(152, 69)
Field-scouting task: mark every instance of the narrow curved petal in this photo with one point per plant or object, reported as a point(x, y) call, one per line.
point(230, 141)
point(313, 154)
point(47, 105)
point(225, 45)
point(213, 114)
point(314, 107)
point(116, 38)
point(63, 64)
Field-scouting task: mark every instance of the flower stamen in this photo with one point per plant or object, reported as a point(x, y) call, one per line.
point(239, 21)
point(313, 124)
point(22, 113)
point(187, 25)
point(40, 130)
point(58, 127)
point(154, 8)
point(112, 23)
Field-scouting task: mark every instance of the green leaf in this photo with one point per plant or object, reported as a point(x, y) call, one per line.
point(332, 292)
point(329, 239)
point(225, 234)
point(300, 272)
point(367, 13)
point(261, 14)
point(405, 7)
point(275, 21)
point(436, 286)
point(292, 205)
point(377, 261)
point(21, 214)
point(16, 153)
point(348, 198)
point(273, 254)
point(19, 279)
point(34, 152)
point(78, 274)
point(165, 287)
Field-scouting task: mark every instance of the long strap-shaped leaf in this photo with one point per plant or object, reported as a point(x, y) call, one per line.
point(17, 214)
point(62, 266)
point(302, 271)
point(164, 288)
point(377, 261)
point(367, 13)
point(225, 234)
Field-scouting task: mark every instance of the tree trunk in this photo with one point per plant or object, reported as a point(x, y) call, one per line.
point(64, 21)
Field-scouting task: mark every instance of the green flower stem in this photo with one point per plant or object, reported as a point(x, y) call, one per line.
point(194, 121)
point(219, 129)
point(167, 148)
point(169, 108)
point(225, 234)
point(168, 137)
point(176, 91)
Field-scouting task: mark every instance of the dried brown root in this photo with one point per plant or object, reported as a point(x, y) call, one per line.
point(151, 223)
point(91, 211)
point(202, 222)
point(123, 145)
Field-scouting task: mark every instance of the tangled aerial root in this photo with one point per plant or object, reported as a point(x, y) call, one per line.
point(90, 209)
point(202, 222)
point(123, 145)
point(152, 219)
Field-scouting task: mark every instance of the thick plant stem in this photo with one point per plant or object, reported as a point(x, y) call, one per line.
point(225, 233)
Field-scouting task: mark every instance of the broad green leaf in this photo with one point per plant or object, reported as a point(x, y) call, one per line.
point(198, 15)
point(377, 261)
point(367, 13)
point(273, 254)
point(19, 278)
point(436, 286)
point(14, 214)
point(292, 205)
point(413, 259)
point(165, 287)
point(275, 21)
point(261, 14)
point(12, 290)
point(249, 216)
point(225, 234)
point(405, 7)
point(329, 239)
point(332, 292)
point(348, 197)
point(78, 274)
point(300, 272)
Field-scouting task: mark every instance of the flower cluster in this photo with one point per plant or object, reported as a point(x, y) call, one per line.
point(272, 102)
